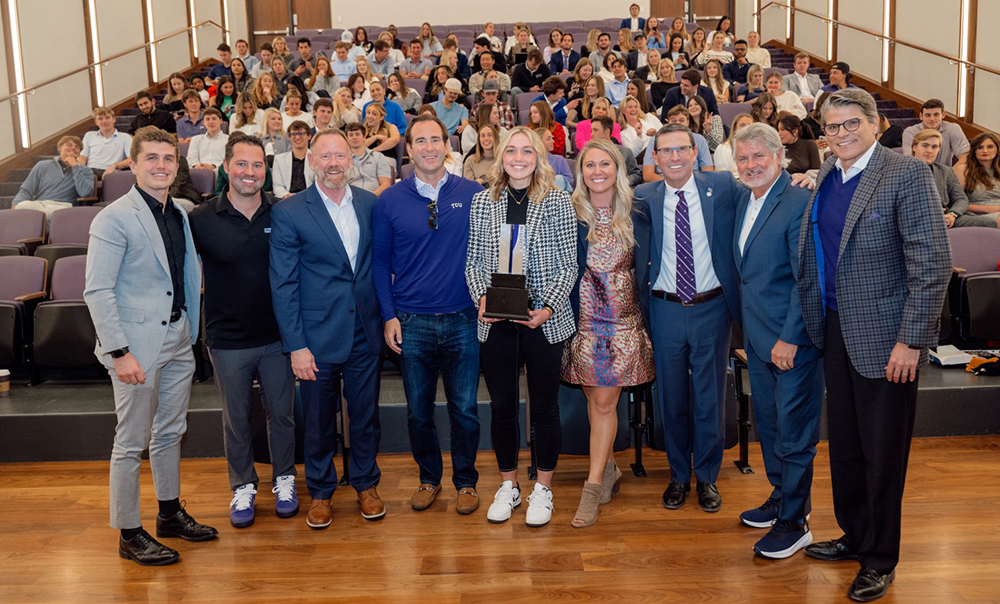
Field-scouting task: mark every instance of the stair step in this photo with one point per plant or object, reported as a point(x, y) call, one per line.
point(6, 202)
point(904, 122)
point(18, 174)
point(39, 158)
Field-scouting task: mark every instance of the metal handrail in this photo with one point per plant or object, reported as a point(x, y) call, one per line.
point(878, 35)
point(106, 60)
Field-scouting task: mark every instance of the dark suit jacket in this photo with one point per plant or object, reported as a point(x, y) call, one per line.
point(674, 97)
point(556, 62)
point(316, 294)
point(719, 194)
point(768, 270)
point(640, 230)
point(627, 23)
point(894, 262)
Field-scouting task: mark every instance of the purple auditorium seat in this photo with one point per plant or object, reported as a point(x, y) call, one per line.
point(21, 288)
point(406, 171)
point(69, 234)
point(729, 111)
point(418, 85)
point(974, 292)
point(64, 334)
point(203, 180)
point(20, 231)
point(117, 184)
point(182, 148)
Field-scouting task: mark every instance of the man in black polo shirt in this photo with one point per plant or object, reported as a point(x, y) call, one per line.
point(231, 233)
point(149, 115)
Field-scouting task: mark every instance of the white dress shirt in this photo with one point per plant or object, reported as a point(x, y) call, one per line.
point(803, 81)
point(205, 149)
point(753, 211)
point(346, 220)
point(704, 272)
point(858, 166)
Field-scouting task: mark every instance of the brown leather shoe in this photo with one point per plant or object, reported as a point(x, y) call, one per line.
point(320, 515)
point(468, 500)
point(372, 507)
point(424, 496)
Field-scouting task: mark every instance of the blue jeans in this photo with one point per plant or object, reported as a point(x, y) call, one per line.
point(444, 344)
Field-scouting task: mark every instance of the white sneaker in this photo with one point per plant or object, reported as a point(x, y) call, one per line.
point(539, 506)
point(507, 498)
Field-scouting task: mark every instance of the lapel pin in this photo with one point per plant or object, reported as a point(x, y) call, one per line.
point(709, 192)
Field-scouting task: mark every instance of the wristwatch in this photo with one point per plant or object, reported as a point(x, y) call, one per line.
point(117, 354)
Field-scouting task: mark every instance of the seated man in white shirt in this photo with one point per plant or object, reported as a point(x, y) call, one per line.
point(207, 151)
point(107, 149)
point(291, 172)
point(370, 169)
point(801, 82)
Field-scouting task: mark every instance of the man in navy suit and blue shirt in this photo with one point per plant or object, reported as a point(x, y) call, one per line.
point(692, 296)
point(874, 266)
point(327, 311)
point(786, 374)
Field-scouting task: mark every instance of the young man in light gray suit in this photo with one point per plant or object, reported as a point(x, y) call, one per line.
point(874, 264)
point(142, 279)
point(801, 82)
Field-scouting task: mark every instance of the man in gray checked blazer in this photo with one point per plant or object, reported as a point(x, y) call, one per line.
point(874, 263)
point(143, 289)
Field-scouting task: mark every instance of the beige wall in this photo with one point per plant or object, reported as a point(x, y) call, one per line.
point(411, 12)
point(811, 32)
point(859, 50)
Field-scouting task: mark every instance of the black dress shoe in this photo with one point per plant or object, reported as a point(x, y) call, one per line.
point(144, 550)
point(708, 497)
point(184, 526)
point(831, 551)
point(676, 495)
point(869, 585)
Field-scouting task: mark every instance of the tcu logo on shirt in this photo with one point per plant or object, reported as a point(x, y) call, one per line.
point(456, 205)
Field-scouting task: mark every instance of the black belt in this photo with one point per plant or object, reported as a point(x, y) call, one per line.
point(175, 316)
point(697, 299)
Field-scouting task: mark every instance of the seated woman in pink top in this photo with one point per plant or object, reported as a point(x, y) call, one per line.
point(601, 108)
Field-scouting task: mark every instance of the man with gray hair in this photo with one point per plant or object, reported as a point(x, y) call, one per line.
point(874, 266)
point(785, 371)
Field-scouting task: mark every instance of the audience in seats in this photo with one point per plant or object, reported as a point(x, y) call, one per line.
point(785, 100)
point(696, 46)
point(518, 53)
point(281, 75)
point(601, 108)
point(242, 80)
point(591, 91)
point(293, 110)
point(191, 124)
point(736, 70)
point(407, 99)
point(491, 95)
point(724, 157)
point(954, 201)
point(563, 59)
point(435, 84)
point(725, 27)
point(840, 77)
point(637, 57)
point(814, 122)
point(512, 39)
point(954, 145)
point(481, 48)
point(581, 74)
point(676, 53)
point(54, 184)
point(225, 97)
point(415, 65)
point(176, 85)
point(598, 55)
point(624, 45)
point(292, 171)
point(358, 88)
point(280, 48)
point(634, 22)
point(654, 37)
point(979, 175)
point(208, 150)
point(361, 39)
point(481, 158)
point(430, 45)
point(379, 60)
point(801, 154)
point(716, 51)
point(106, 149)
point(704, 123)
point(344, 110)
point(637, 126)
point(541, 118)
point(198, 84)
point(247, 117)
point(370, 170)
point(666, 80)
point(380, 135)
point(264, 64)
point(273, 133)
point(151, 115)
point(764, 109)
point(889, 135)
point(637, 90)
point(477, 79)
point(220, 69)
point(528, 76)
point(649, 71)
point(714, 78)
point(690, 86)
point(342, 65)
point(756, 54)
point(243, 54)
point(265, 93)
point(558, 163)
point(322, 115)
point(486, 113)
point(393, 112)
point(489, 31)
point(617, 88)
point(601, 129)
point(454, 115)
point(807, 85)
point(322, 78)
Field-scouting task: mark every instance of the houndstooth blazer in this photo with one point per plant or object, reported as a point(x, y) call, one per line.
point(894, 263)
point(549, 256)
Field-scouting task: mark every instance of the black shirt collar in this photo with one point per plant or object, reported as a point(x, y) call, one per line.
point(222, 204)
point(154, 205)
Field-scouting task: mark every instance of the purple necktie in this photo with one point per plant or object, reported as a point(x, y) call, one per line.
point(686, 288)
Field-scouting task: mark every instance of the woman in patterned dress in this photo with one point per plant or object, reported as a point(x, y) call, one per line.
point(611, 348)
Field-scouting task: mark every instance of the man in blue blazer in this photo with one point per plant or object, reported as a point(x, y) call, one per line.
point(690, 86)
point(634, 22)
point(874, 266)
point(324, 300)
point(691, 295)
point(565, 60)
point(786, 374)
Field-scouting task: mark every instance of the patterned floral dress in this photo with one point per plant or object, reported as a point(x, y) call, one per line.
point(611, 346)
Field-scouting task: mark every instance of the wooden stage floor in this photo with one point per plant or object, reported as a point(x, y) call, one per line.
point(56, 546)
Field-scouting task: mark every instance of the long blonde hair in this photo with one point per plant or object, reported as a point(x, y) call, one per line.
point(622, 121)
point(621, 200)
point(267, 118)
point(241, 118)
point(543, 180)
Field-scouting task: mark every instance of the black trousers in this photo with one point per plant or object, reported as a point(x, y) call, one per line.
point(507, 348)
point(870, 427)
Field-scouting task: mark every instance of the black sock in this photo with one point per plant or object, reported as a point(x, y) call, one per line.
point(127, 534)
point(169, 508)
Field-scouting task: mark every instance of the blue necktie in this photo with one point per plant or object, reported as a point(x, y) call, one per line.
point(686, 284)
